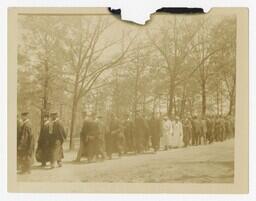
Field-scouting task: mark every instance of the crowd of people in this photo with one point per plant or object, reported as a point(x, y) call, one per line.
point(101, 137)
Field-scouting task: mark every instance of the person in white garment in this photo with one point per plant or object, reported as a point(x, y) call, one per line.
point(166, 132)
point(177, 135)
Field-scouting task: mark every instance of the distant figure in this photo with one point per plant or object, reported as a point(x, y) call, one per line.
point(167, 131)
point(26, 145)
point(141, 133)
point(128, 134)
point(203, 133)
point(43, 145)
point(217, 129)
point(222, 129)
point(90, 131)
point(177, 134)
point(117, 135)
point(196, 131)
point(210, 129)
point(109, 141)
point(19, 126)
point(155, 132)
point(100, 138)
point(228, 127)
point(57, 137)
point(187, 132)
point(82, 151)
point(146, 137)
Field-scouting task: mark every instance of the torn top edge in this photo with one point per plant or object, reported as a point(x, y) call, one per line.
point(181, 10)
point(171, 10)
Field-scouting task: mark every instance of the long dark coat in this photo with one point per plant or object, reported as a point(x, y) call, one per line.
point(129, 137)
point(210, 130)
point(57, 137)
point(26, 146)
point(90, 131)
point(196, 131)
point(155, 132)
point(19, 125)
point(117, 135)
point(187, 132)
point(43, 148)
point(141, 133)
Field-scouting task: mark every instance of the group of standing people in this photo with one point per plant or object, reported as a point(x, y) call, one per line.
point(49, 146)
point(206, 130)
point(101, 137)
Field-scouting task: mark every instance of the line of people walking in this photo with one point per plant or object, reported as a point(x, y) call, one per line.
point(101, 138)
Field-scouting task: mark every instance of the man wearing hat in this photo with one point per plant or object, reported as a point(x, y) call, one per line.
point(57, 137)
point(187, 131)
point(128, 134)
point(43, 147)
point(19, 125)
point(196, 130)
point(82, 149)
point(89, 133)
point(100, 138)
point(155, 132)
point(26, 145)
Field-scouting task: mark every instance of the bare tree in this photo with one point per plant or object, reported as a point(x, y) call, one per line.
point(84, 49)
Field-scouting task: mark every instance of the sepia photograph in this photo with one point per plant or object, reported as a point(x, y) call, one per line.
point(101, 100)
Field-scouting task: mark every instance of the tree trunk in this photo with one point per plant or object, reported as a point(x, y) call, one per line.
point(221, 100)
point(217, 99)
point(183, 102)
point(154, 106)
point(171, 97)
point(231, 103)
point(232, 99)
point(45, 97)
point(172, 73)
point(203, 97)
point(73, 115)
point(135, 103)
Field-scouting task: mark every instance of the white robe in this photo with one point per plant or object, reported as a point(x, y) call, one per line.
point(176, 139)
point(166, 133)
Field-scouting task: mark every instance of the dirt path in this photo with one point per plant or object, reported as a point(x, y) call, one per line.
point(211, 164)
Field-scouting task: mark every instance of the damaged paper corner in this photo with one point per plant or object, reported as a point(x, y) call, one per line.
point(141, 14)
point(136, 14)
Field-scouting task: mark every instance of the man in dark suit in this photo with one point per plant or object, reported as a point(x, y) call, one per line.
point(82, 151)
point(57, 137)
point(88, 142)
point(43, 145)
point(196, 131)
point(155, 132)
point(19, 125)
point(26, 144)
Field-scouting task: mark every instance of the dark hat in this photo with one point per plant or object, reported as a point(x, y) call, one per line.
point(24, 113)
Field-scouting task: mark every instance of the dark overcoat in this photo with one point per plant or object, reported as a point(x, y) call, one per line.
point(26, 146)
point(43, 144)
point(57, 137)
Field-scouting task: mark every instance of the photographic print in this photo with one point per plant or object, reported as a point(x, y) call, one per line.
point(103, 101)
